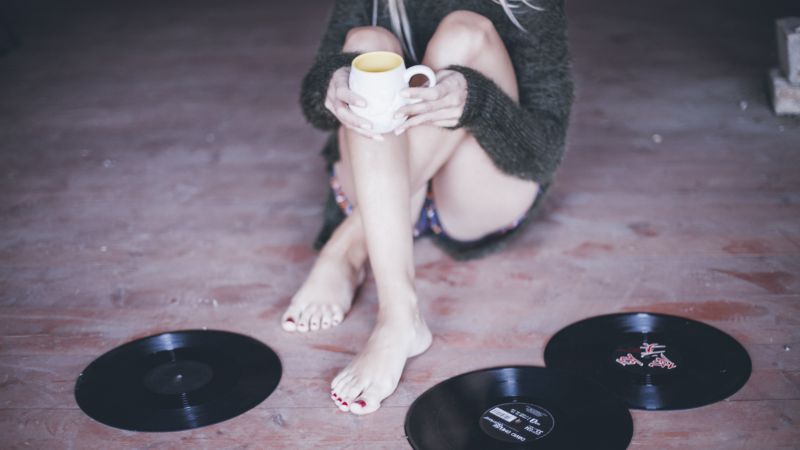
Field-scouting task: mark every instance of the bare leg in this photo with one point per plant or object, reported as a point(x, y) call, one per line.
point(373, 374)
point(327, 294)
point(381, 175)
point(378, 173)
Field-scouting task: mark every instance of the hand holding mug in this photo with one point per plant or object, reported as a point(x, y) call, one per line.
point(366, 97)
point(441, 105)
point(379, 77)
point(340, 97)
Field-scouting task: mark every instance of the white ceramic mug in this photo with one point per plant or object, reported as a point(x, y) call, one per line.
point(379, 77)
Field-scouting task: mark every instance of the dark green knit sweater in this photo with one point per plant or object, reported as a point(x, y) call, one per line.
point(525, 140)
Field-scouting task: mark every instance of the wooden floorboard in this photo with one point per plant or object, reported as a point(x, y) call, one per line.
point(156, 174)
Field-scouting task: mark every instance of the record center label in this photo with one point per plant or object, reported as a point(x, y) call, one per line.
point(517, 422)
point(645, 358)
point(178, 377)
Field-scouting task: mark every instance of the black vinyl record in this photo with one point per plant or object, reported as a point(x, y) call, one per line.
point(652, 361)
point(518, 407)
point(178, 380)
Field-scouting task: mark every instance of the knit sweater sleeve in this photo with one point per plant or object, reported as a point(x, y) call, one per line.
point(346, 14)
point(527, 139)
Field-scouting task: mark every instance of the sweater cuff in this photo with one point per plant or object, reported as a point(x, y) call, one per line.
point(478, 85)
point(524, 143)
point(314, 88)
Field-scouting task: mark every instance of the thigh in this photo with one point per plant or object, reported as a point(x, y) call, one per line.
point(473, 197)
point(429, 147)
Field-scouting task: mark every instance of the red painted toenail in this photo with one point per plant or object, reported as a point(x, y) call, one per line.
point(344, 403)
point(290, 320)
point(362, 403)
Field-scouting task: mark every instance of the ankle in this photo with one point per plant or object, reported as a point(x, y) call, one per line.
point(356, 256)
point(339, 256)
point(400, 310)
point(349, 252)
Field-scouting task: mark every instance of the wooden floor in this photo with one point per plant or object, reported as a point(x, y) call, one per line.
point(156, 174)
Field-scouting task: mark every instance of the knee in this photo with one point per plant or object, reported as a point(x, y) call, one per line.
point(461, 35)
point(369, 39)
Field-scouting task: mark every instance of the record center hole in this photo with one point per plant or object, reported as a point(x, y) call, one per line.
point(178, 377)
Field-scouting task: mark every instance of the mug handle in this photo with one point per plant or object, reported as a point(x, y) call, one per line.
point(417, 70)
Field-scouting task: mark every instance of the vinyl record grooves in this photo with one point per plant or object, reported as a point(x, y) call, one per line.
point(519, 407)
point(178, 380)
point(652, 361)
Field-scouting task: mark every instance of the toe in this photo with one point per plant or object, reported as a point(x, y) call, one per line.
point(325, 318)
point(304, 317)
point(337, 315)
point(289, 319)
point(316, 318)
point(289, 324)
point(352, 390)
point(365, 404)
point(339, 403)
point(344, 390)
point(339, 378)
point(336, 399)
point(339, 387)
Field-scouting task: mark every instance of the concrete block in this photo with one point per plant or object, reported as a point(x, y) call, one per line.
point(785, 96)
point(788, 30)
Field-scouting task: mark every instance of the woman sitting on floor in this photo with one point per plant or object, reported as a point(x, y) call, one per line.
point(486, 140)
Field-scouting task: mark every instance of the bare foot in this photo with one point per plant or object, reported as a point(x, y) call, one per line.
point(374, 373)
point(326, 295)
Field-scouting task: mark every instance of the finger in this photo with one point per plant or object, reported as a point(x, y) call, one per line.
point(348, 117)
point(330, 100)
point(433, 116)
point(334, 106)
point(376, 137)
point(445, 123)
point(335, 83)
point(414, 109)
point(425, 93)
point(344, 94)
point(340, 77)
point(342, 73)
point(350, 120)
point(441, 114)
